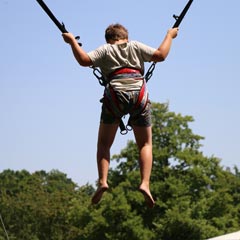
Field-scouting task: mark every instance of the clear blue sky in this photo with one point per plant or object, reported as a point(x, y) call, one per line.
point(49, 105)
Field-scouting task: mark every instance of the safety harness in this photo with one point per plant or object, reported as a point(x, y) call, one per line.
point(110, 98)
point(96, 71)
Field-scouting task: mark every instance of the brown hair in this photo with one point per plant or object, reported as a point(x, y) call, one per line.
point(116, 32)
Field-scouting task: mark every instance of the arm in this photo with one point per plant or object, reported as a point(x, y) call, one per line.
point(161, 53)
point(80, 55)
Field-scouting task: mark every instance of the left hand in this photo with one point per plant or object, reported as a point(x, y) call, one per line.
point(68, 37)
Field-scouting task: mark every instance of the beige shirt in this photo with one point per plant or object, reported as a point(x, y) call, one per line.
point(110, 57)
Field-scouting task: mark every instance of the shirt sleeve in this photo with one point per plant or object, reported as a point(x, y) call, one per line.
point(145, 51)
point(97, 55)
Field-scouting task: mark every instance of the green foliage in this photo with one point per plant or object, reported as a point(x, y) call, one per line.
point(195, 197)
point(34, 205)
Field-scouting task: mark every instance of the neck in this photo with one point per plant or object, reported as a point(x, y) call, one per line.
point(118, 41)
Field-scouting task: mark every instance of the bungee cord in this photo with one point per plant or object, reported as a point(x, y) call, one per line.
point(5, 230)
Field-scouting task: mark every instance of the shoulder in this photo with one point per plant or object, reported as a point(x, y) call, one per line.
point(134, 43)
point(100, 51)
point(137, 43)
point(103, 47)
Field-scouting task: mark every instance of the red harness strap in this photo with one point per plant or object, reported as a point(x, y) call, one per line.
point(124, 71)
point(112, 104)
point(140, 97)
point(111, 100)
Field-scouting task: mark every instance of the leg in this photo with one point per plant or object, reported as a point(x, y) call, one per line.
point(143, 136)
point(106, 137)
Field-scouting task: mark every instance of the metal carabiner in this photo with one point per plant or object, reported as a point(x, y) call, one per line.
point(98, 74)
point(123, 129)
point(150, 71)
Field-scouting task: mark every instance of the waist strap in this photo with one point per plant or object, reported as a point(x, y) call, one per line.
point(124, 71)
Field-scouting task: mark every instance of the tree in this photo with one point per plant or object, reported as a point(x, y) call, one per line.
point(196, 197)
point(34, 206)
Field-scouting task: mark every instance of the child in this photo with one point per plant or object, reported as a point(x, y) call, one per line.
point(122, 64)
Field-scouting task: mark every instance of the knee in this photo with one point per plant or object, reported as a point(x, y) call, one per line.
point(103, 151)
point(146, 145)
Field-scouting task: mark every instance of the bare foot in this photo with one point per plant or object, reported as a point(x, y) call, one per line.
point(148, 197)
point(98, 194)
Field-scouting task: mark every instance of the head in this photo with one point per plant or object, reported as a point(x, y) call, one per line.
point(116, 32)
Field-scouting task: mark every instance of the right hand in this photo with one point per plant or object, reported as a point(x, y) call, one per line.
point(173, 32)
